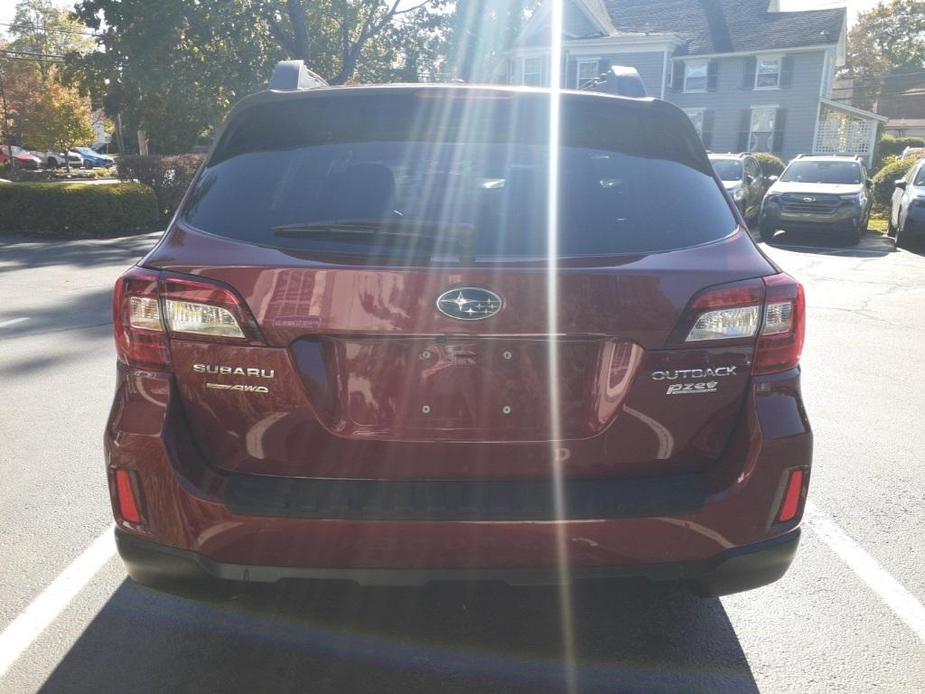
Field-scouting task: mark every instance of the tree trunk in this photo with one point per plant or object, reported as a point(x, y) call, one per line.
point(347, 69)
point(296, 12)
point(120, 138)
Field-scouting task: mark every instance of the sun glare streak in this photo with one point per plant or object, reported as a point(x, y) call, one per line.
point(552, 329)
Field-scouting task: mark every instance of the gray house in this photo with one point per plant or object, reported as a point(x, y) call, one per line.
point(749, 76)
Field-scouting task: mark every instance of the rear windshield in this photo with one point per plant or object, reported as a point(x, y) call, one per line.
point(835, 172)
point(430, 175)
point(728, 169)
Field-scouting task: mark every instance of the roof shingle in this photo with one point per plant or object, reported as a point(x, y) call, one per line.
point(725, 26)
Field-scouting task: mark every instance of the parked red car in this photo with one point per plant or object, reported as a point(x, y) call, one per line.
point(357, 353)
point(22, 158)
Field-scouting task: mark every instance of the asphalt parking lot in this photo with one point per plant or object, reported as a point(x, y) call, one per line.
point(848, 617)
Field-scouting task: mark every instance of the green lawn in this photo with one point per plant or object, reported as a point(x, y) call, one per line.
point(878, 222)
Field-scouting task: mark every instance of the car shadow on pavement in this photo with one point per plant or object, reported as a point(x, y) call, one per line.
point(872, 245)
point(628, 638)
point(25, 252)
point(83, 320)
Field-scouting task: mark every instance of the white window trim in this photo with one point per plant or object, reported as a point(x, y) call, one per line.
point(697, 63)
point(700, 111)
point(779, 57)
point(751, 123)
point(586, 61)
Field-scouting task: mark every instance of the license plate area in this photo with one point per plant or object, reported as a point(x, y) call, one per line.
point(479, 389)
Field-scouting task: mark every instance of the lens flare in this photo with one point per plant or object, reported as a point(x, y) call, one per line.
point(552, 309)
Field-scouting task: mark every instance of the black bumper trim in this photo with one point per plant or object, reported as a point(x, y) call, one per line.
point(742, 568)
point(466, 500)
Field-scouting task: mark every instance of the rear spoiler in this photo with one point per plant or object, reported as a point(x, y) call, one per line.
point(292, 75)
point(620, 81)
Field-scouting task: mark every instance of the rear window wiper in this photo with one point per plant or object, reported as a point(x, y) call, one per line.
point(388, 230)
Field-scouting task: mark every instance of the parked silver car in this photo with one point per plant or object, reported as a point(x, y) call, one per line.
point(55, 160)
point(907, 213)
point(820, 194)
point(743, 179)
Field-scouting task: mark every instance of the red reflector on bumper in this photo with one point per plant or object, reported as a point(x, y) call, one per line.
point(791, 503)
point(125, 492)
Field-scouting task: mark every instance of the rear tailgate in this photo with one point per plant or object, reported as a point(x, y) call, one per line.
point(364, 378)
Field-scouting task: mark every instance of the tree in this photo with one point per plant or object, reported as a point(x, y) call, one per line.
point(888, 38)
point(338, 38)
point(58, 119)
point(482, 31)
point(44, 32)
point(22, 83)
point(173, 68)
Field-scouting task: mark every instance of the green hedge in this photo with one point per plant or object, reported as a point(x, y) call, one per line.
point(77, 209)
point(885, 180)
point(770, 165)
point(890, 146)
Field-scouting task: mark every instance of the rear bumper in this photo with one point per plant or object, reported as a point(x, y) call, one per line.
point(196, 524)
point(732, 571)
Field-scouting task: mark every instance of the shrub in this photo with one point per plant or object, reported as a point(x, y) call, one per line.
point(77, 209)
point(885, 180)
point(770, 165)
point(890, 146)
point(169, 177)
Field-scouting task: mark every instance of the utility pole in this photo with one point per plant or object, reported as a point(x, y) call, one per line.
point(6, 127)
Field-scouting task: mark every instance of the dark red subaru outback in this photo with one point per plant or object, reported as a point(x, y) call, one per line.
point(405, 334)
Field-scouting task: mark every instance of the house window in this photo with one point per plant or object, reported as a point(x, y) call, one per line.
point(761, 133)
point(696, 76)
point(535, 71)
point(767, 76)
point(696, 116)
point(588, 71)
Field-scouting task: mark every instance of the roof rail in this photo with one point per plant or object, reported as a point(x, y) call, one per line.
point(292, 75)
point(834, 155)
point(619, 80)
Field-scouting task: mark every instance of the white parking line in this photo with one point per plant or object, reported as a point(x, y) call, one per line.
point(14, 321)
point(51, 602)
point(903, 604)
point(827, 250)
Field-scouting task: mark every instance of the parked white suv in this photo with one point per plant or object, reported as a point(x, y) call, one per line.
point(819, 194)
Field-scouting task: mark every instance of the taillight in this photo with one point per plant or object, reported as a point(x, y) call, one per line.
point(727, 312)
point(137, 322)
point(784, 327)
point(148, 306)
point(200, 309)
point(772, 308)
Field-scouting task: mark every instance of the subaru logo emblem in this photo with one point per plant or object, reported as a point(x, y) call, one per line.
point(468, 303)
